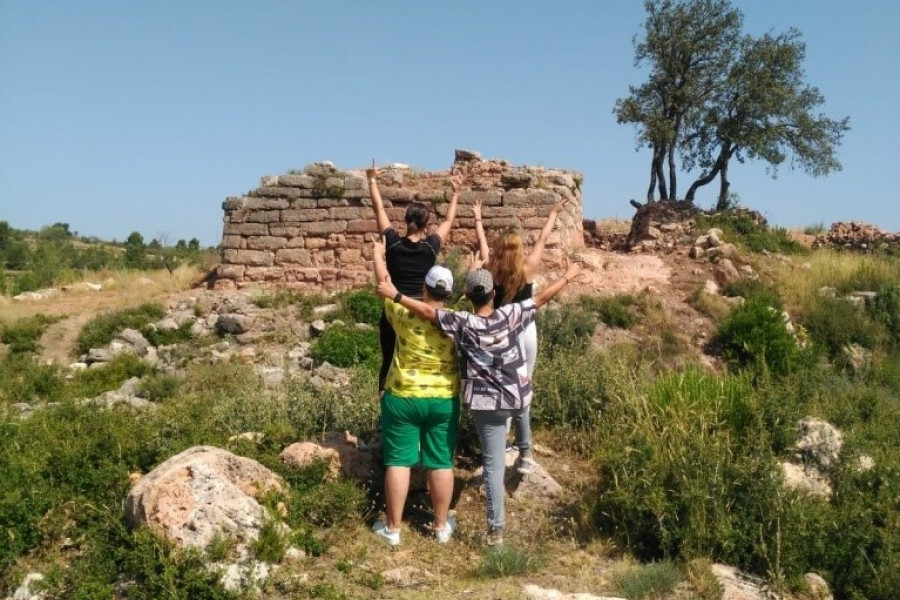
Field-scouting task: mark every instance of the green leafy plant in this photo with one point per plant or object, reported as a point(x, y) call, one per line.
point(363, 306)
point(23, 335)
point(755, 334)
point(101, 330)
point(651, 580)
point(271, 544)
point(836, 323)
point(346, 346)
point(568, 327)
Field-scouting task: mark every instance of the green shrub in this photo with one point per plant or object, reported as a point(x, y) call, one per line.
point(740, 228)
point(754, 334)
point(346, 346)
point(165, 337)
point(568, 327)
point(754, 289)
point(90, 383)
point(505, 560)
point(24, 379)
point(363, 306)
point(616, 311)
point(101, 330)
point(815, 229)
point(158, 386)
point(886, 310)
point(651, 580)
point(23, 335)
point(836, 323)
point(271, 544)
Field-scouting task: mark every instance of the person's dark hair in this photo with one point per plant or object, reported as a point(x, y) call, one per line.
point(438, 293)
point(479, 296)
point(417, 215)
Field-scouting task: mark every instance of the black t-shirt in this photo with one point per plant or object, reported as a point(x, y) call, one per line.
point(525, 292)
point(408, 262)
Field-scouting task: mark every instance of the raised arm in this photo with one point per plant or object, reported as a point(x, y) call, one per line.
point(443, 229)
point(381, 271)
point(546, 294)
point(386, 289)
point(377, 204)
point(483, 249)
point(534, 259)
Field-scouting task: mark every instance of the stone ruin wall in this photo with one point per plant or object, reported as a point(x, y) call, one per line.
point(312, 229)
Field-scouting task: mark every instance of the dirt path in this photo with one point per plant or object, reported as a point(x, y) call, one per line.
point(58, 341)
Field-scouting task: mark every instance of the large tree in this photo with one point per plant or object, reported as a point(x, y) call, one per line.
point(764, 111)
point(687, 47)
point(713, 94)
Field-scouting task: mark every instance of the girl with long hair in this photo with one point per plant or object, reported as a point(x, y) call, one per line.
point(513, 275)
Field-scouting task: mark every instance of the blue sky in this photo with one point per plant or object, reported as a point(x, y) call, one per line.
point(123, 116)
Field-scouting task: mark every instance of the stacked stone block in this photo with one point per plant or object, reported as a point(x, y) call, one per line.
point(312, 229)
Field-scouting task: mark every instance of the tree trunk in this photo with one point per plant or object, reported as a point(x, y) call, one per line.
point(660, 174)
point(651, 191)
point(673, 193)
point(721, 161)
point(722, 204)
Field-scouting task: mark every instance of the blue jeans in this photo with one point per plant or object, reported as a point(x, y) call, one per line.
point(491, 428)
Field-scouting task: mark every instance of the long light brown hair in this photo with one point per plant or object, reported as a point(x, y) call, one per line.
point(507, 265)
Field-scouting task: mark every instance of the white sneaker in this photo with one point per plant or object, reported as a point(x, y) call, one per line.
point(443, 535)
point(392, 537)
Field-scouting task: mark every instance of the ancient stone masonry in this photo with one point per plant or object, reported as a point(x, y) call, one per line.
point(311, 229)
point(857, 236)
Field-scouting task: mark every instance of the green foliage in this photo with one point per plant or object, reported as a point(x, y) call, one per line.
point(568, 327)
point(815, 229)
point(165, 337)
point(621, 310)
point(24, 379)
point(836, 323)
point(756, 290)
point(742, 229)
point(886, 310)
point(651, 580)
point(101, 330)
point(93, 382)
point(157, 387)
point(363, 306)
point(754, 334)
point(505, 560)
point(23, 335)
point(347, 346)
point(271, 544)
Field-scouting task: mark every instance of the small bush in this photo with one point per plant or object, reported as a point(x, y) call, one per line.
point(815, 229)
point(363, 306)
point(101, 330)
point(93, 382)
point(278, 299)
point(23, 379)
point(652, 580)
point(754, 334)
point(347, 346)
point(568, 327)
point(754, 289)
point(158, 387)
point(503, 561)
point(740, 228)
point(615, 311)
point(23, 335)
point(886, 310)
point(271, 544)
point(164, 337)
point(836, 323)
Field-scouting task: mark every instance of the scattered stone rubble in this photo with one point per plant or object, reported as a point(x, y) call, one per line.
point(858, 236)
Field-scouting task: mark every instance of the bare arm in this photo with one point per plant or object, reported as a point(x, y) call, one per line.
point(534, 259)
point(386, 289)
point(546, 294)
point(377, 204)
point(381, 272)
point(483, 248)
point(443, 229)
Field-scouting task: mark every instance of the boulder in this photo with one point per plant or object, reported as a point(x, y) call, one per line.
point(537, 484)
point(200, 492)
point(135, 339)
point(737, 585)
point(302, 454)
point(818, 587)
point(725, 272)
point(819, 444)
point(234, 323)
point(27, 591)
point(355, 463)
point(806, 479)
point(536, 592)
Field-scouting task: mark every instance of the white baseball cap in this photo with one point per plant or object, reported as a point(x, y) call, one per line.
point(440, 279)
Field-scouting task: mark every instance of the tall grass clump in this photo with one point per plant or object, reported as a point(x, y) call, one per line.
point(568, 327)
point(741, 229)
point(621, 311)
point(23, 335)
point(505, 560)
point(101, 330)
point(886, 310)
point(647, 581)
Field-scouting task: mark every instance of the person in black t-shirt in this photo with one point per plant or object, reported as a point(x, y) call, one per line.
point(409, 256)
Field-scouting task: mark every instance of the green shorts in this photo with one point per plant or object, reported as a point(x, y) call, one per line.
point(419, 430)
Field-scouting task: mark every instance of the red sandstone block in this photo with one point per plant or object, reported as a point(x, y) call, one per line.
point(246, 229)
point(264, 274)
point(303, 215)
point(263, 216)
point(256, 258)
point(266, 242)
point(323, 227)
point(362, 226)
point(294, 256)
point(348, 212)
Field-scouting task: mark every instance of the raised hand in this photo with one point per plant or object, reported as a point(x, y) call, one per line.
point(475, 261)
point(573, 268)
point(372, 172)
point(456, 181)
point(476, 209)
point(385, 288)
point(559, 206)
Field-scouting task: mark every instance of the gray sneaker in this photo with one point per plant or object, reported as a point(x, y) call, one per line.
point(495, 537)
point(381, 529)
point(525, 465)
